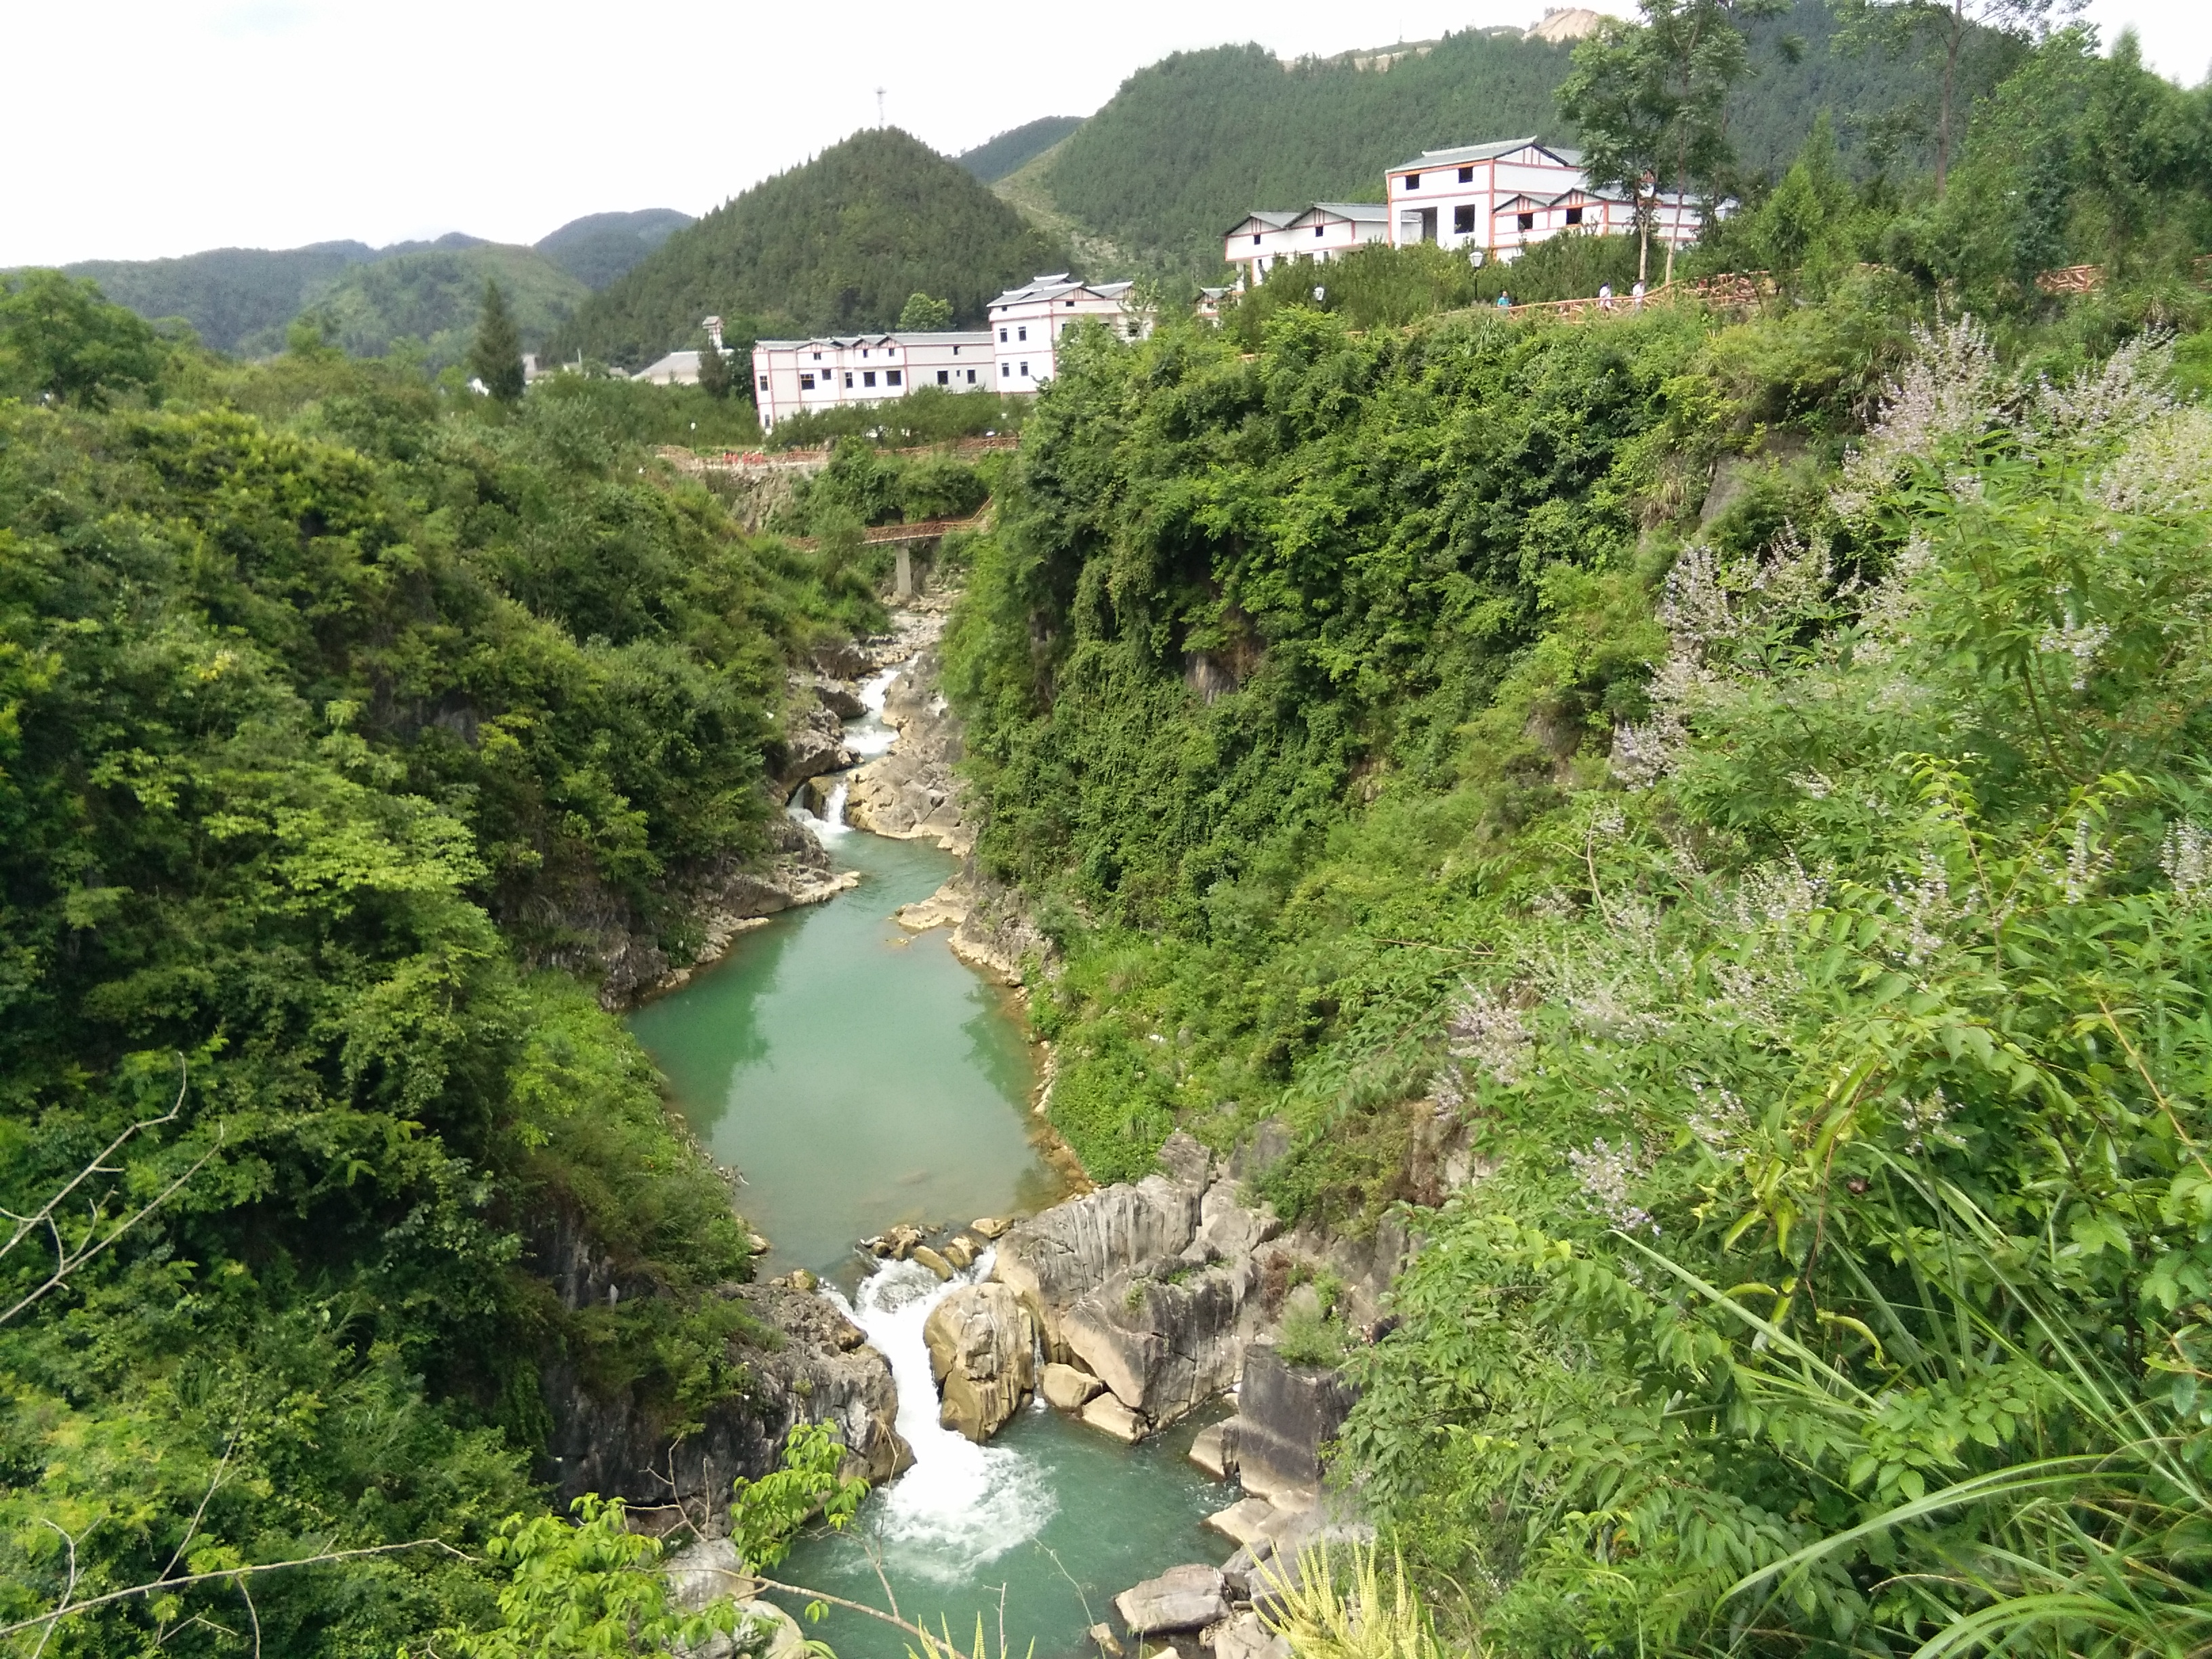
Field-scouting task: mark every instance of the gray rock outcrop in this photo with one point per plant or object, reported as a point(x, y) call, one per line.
point(1054, 1258)
point(911, 794)
point(982, 1346)
point(617, 1443)
point(1181, 1598)
point(1286, 1414)
point(1165, 1336)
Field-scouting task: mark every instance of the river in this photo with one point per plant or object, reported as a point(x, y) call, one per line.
point(857, 1075)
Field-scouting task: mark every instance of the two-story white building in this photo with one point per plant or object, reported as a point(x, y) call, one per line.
point(1327, 230)
point(1026, 324)
point(1496, 199)
point(838, 371)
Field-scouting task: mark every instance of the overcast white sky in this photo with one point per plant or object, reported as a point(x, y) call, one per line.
point(150, 127)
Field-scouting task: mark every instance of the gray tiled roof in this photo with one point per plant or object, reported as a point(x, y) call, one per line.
point(1432, 159)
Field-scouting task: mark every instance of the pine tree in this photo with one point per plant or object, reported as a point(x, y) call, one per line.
point(496, 357)
point(714, 368)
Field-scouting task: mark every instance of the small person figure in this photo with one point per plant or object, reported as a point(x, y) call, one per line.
point(1635, 296)
point(1504, 300)
point(1605, 296)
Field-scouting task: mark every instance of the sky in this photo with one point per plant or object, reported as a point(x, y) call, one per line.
point(146, 128)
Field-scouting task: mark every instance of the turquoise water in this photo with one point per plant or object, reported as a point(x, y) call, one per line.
point(855, 1074)
point(858, 1075)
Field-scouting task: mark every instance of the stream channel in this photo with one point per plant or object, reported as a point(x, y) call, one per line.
point(859, 1075)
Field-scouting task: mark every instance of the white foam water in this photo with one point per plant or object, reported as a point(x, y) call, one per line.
point(961, 1506)
point(868, 736)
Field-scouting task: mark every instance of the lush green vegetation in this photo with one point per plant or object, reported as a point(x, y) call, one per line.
point(426, 307)
point(244, 299)
point(599, 246)
point(839, 243)
point(994, 158)
point(1741, 775)
point(227, 294)
point(1190, 143)
point(336, 711)
point(927, 414)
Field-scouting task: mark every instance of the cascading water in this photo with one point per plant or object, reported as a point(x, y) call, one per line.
point(961, 1506)
point(864, 739)
point(861, 1076)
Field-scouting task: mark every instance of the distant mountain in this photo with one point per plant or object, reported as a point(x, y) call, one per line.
point(1189, 144)
point(434, 297)
point(993, 158)
point(599, 246)
point(839, 243)
point(225, 294)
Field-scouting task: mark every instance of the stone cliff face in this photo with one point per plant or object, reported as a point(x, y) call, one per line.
point(620, 1444)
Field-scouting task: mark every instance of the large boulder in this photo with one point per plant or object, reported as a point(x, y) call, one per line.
point(1054, 1258)
point(1286, 1414)
point(1165, 1337)
point(1181, 1598)
point(982, 1346)
point(813, 743)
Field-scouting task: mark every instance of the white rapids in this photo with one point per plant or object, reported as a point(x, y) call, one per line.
point(961, 1506)
point(865, 738)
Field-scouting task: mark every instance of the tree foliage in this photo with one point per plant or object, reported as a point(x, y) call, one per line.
point(496, 355)
point(336, 717)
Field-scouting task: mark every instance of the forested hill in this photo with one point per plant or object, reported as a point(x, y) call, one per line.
point(599, 246)
point(429, 303)
point(995, 158)
point(1188, 145)
point(838, 243)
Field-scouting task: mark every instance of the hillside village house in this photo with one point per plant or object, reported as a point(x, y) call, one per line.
point(1501, 197)
point(1322, 232)
point(1489, 200)
point(1019, 352)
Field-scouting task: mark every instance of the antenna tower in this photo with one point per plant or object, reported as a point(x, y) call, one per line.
point(879, 108)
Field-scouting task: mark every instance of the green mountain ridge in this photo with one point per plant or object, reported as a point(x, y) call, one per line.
point(434, 299)
point(1188, 145)
point(839, 242)
point(240, 298)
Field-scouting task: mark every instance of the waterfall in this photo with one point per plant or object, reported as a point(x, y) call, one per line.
point(961, 1506)
point(868, 736)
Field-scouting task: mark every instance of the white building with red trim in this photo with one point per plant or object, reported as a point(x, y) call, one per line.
point(839, 371)
point(1019, 352)
point(1027, 322)
point(1496, 199)
point(1327, 230)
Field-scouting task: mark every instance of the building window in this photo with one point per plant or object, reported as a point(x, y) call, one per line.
point(1413, 181)
point(1462, 221)
point(867, 377)
point(1466, 175)
point(971, 377)
point(848, 379)
point(764, 382)
point(1528, 220)
point(1023, 332)
point(944, 377)
point(1256, 241)
point(1574, 216)
point(1317, 230)
point(807, 382)
point(817, 357)
point(1071, 305)
point(894, 377)
point(1025, 371)
point(1002, 337)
